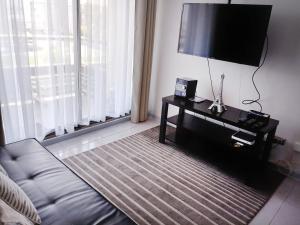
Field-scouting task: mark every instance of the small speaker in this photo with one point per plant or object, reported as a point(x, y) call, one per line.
point(185, 87)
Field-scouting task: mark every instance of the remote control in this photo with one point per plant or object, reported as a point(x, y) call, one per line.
point(250, 122)
point(260, 114)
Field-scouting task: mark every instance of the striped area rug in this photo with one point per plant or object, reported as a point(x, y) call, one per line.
point(155, 183)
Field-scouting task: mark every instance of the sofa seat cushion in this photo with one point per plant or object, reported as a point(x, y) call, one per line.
point(60, 197)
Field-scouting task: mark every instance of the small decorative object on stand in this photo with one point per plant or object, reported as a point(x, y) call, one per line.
point(218, 105)
point(185, 87)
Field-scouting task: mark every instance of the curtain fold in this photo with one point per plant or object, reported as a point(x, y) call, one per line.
point(2, 137)
point(15, 90)
point(107, 37)
point(144, 38)
point(38, 88)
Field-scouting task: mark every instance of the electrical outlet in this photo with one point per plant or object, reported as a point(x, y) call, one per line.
point(297, 146)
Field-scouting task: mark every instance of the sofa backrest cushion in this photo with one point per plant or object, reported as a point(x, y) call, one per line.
point(15, 197)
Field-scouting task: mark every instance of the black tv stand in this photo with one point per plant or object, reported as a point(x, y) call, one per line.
point(209, 130)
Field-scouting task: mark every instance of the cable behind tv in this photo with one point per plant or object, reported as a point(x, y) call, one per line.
point(246, 101)
point(251, 101)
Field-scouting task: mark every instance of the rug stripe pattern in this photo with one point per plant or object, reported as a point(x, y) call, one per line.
point(155, 183)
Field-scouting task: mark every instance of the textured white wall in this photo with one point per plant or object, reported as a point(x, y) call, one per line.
point(278, 80)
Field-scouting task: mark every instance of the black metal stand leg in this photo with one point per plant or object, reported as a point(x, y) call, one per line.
point(179, 125)
point(163, 122)
point(258, 146)
point(180, 117)
point(268, 146)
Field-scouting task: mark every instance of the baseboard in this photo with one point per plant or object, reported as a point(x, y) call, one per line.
point(84, 131)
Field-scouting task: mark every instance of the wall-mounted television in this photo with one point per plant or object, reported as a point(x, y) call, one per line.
point(229, 32)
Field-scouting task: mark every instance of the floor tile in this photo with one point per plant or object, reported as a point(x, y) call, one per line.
point(289, 212)
point(100, 137)
point(269, 211)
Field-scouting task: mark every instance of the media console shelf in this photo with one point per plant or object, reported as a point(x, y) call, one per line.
point(211, 131)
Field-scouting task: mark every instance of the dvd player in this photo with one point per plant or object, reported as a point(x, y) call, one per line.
point(244, 138)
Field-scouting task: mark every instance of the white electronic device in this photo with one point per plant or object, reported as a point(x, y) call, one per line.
point(197, 99)
point(244, 138)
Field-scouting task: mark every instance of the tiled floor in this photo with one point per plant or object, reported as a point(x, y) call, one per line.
point(91, 140)
point(282, 209)
point(284, 206)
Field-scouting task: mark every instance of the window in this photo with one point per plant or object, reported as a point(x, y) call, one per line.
point(61, 66)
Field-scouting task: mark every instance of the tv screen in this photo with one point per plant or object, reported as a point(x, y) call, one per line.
point(229, 32)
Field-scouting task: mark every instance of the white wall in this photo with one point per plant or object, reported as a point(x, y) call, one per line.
point(278, 80)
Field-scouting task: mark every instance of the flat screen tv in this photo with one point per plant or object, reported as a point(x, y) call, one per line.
point(229, 32)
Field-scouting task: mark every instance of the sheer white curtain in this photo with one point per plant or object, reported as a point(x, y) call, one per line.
point(38, 85)
point(107, 44)
point(53, 78)
point(15, 85)
point(46, 84)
